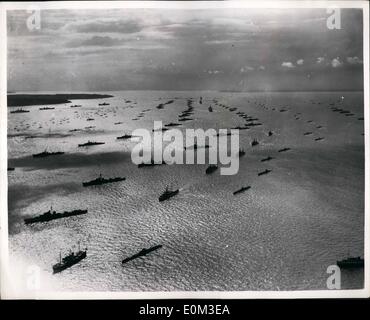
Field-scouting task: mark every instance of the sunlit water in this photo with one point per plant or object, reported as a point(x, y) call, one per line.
point(282, 234)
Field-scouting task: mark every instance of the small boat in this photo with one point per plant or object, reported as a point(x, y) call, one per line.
point(267, 159)
point(90, 119)
point(307, 133)
point(241, 190)
point(52, 215)
point(100, 180)
point(76, 106)
point(270, 133)
point(254, 142)
point(318, 139)
point(210, 109)
point(46, 108)
point(167, 194)
point(11, 169)
point(45, 154)
point(118, 122)
point(141, 253)
point(68, 261)
point(351, 262)
point(284, 149)
point(90, 143)
point(264, 172)
point(19, 111)
point(104, 104)
point(211, 168)
point(172, 124)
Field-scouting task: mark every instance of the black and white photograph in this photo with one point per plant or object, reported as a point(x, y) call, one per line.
point(193, 149)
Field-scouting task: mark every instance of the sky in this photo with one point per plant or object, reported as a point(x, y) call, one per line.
point(173, 49)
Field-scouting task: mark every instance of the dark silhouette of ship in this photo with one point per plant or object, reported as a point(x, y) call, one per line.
point(104, 104)
point(45, 154)
point(211, 168)
point(11, 169)
point(241, 152)
point(90, 143)
point(167, 194)
point(318, 139)
point(19, 111)
point(307, 133)
point(100, 180)
point(76, 106)
point(52, 215)
point(242, 189)
point(264, 172)
point(254, 142)
point(141, 253)
point(46, 108)
point(351, 262)
point(68, 261)
point(267, 159)
point(210, 109)
point(284, 149)
point(125, 136)
point(270, 133)
point(150, 164)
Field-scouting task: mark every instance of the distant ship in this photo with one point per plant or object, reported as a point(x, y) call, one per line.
point(318, 139)
point(69, 260)
point(210, 109)
point(125, 136)
point(104, 104)
point(150, 164)
point(46, 108)
point(307, 133)
point(270, 133)
point(351, 262)
point(211, 168)
point(267, 159)
point(167, 194)
point(45, 154)
point(141, 253)
point(76, 106)
point(52, 215)
point(90, 143)
point(100, 180)
point(11, 169)
point(19, 111)
point(241, 152)
point(254, 142)
point(264, 172)
point(241, 190)
point(284, 149)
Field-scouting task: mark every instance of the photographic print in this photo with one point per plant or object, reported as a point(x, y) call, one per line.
point(201, 148)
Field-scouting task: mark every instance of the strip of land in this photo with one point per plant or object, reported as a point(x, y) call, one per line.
point(20, 100)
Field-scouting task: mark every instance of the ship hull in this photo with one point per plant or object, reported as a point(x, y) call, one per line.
point(54, 216)
point(60, 267)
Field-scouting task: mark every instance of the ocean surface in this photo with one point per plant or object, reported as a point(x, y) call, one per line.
point(282, 234)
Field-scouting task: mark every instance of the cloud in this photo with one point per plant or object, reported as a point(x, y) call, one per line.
point(287, 65)
point(107, 26)
point(97, 41)
point(320, 60)
point(335, 63)
point(354, 60)
point(300, 62)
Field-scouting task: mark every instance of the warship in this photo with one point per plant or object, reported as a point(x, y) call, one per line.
point(52, 215)
point(167, 194)
point(267, 159)
point(264, 172)
point(125, 136)
point(90, 143)
point(211, 168)
point(210, 109)
point(284, 149)
point(68, 261)
point(318, 139)
point(46, 108)
point(45, 154)
point(76, 106)
point(19, 111)
point(100, 180)
point(242, 189)
point(141, 253)
point(254, 142)
point(351, 262)
point(104, 104)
